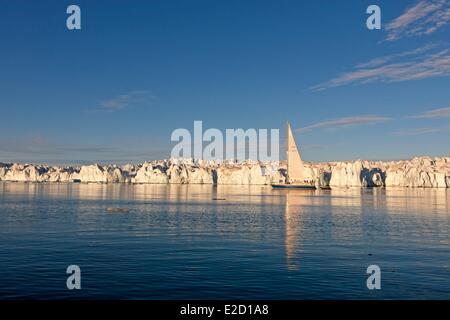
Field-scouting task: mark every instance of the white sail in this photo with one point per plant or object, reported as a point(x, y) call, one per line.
point(294, 162)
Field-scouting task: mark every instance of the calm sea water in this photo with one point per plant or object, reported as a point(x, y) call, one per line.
point(181, 242)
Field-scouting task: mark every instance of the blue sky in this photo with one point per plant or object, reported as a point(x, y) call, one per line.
point(115, 90)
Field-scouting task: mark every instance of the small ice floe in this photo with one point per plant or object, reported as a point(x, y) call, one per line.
point(117, 210)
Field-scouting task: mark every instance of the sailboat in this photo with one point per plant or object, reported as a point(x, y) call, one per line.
point(295, 178)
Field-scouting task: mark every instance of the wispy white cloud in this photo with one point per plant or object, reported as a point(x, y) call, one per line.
point(436, 113)
point(424, 17)
point(345, 122)
point(124, 101)
point(421, 131)
point(384, 59)
point(424, 62)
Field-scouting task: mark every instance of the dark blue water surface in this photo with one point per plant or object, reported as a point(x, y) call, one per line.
point(180, 242)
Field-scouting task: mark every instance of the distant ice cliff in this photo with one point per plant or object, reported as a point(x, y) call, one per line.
point(423, 172)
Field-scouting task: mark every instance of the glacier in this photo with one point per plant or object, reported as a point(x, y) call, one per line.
point(419, 172)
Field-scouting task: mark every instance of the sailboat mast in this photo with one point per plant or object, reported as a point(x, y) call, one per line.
point(288, 130)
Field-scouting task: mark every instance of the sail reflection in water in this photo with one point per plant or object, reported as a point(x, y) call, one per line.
point(202, 241)
point(294, 213)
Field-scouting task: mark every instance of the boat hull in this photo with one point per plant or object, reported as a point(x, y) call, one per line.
point(293, 186)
